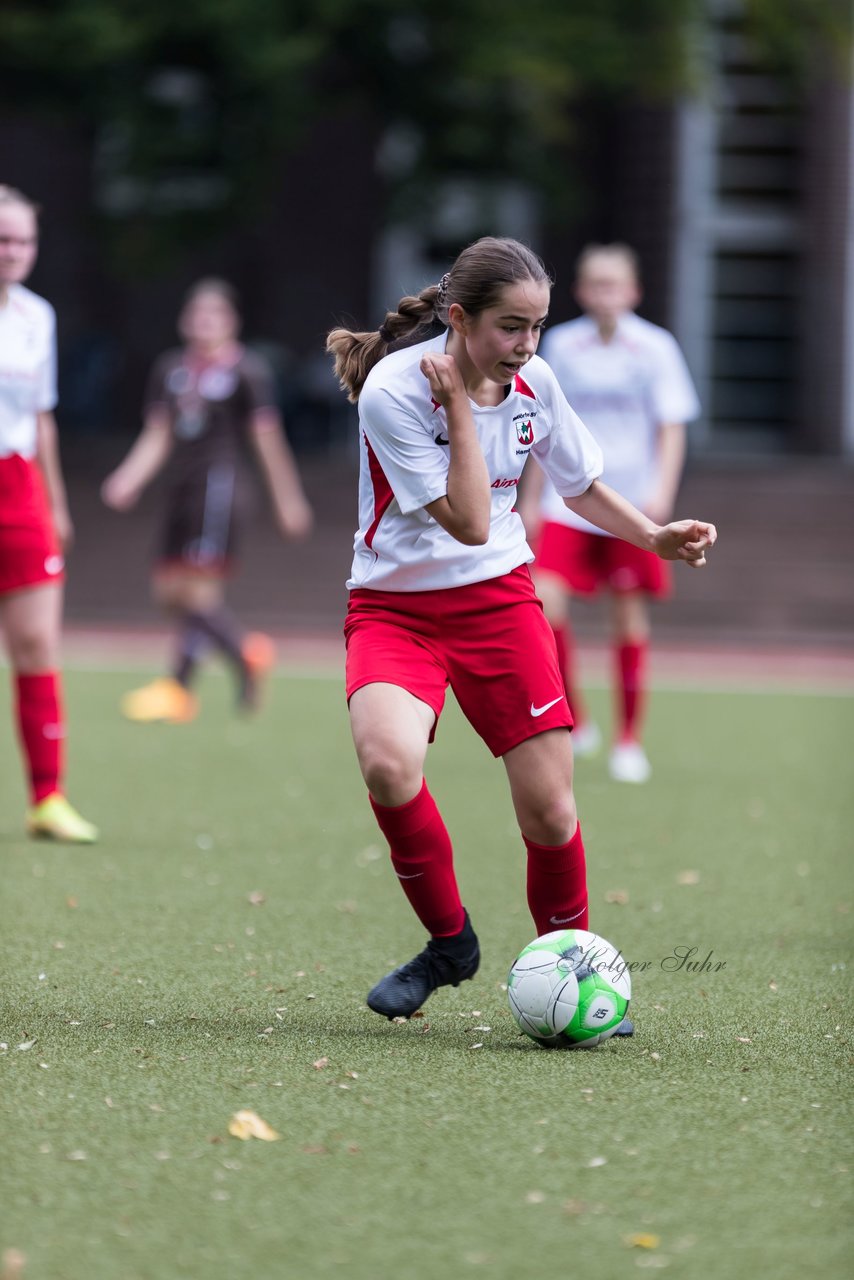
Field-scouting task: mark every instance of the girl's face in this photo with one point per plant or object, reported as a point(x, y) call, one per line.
point(208, 320)
point(607, 288)
point(19, 243)
point(502, 339)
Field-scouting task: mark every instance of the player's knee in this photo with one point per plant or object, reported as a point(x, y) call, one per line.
point(552, 823)
point(391, 776)
point(31, 650)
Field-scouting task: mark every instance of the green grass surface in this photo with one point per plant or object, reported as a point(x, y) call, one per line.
point(159, 994)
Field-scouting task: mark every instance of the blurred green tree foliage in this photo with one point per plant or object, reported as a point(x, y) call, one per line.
point(188, 104)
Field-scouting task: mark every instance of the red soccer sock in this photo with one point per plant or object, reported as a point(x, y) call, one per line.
point(422, 856)
point(41, 728)
point(565, 644)
point(557, 885)
point(631, 687)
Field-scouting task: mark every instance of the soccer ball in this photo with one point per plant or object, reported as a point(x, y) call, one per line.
point(569, 989)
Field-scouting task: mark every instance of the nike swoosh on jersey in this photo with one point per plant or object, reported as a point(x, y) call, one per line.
point(440, 439)
point(538, 711)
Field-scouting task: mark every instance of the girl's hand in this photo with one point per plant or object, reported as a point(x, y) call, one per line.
point(445, 379)
point(686, 540)
point(63, 527)
point(118, 493)
point(295, 519)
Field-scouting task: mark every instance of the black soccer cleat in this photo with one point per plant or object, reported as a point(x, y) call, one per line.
point(444, 962)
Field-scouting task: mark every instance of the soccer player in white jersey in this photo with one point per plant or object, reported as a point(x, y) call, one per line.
point(441, 594)
point(35, 526)
point(629, 382)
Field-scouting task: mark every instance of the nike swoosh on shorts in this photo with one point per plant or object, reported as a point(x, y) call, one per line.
point(538, 711)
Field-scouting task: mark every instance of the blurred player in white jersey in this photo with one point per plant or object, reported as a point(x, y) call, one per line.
point(441, 594)
point(35, 527)
point(628, 381)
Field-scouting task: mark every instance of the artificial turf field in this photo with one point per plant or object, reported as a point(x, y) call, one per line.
point(212, 954)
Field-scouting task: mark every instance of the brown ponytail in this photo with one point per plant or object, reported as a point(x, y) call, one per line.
point(357, 353)
point(475, 282)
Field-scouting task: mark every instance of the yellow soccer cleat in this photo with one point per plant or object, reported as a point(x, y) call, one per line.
point(55, 819)
point(163, 700)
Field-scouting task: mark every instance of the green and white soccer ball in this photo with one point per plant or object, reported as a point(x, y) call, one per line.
point(569, 989)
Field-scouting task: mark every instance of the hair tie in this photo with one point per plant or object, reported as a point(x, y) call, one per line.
point(386, 335)
point(442, 289)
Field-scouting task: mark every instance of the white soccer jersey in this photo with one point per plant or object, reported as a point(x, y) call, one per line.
point(404, 466)
point(624, 390)
point(27, 368)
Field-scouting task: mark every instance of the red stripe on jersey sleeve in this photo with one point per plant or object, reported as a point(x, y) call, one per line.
point(523, 388)
point(383, 495)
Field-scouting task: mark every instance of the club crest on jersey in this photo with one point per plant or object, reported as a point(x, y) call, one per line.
point(525, 432)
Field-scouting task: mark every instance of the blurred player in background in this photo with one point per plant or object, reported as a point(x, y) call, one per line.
point(440, 592)
point(628, 381)
point(35, 527)
point(205, 403)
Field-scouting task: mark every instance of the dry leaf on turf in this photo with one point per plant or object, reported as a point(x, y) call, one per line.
point(642, 1240)
point(247, 1124)
point(619, 897)
point(256, 898)
point(320, 1064)
point(688, 877)
point(576, 1207)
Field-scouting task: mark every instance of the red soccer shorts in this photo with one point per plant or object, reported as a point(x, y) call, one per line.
point(489, 641)
point(29, 551)
point(588, 561)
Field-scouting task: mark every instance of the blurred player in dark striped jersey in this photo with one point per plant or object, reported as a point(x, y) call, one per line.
point(208, 405)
